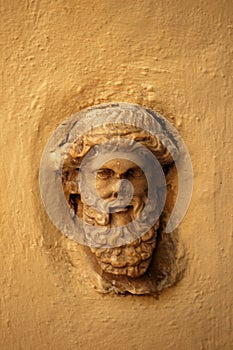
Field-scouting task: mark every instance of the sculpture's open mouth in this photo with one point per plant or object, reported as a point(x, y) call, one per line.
point(117, 209)
point(131, 260)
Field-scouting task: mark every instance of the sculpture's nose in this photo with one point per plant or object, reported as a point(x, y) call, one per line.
point(120, 176)
point(123, 191)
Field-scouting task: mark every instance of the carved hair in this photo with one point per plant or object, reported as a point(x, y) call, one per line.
point(101, 135)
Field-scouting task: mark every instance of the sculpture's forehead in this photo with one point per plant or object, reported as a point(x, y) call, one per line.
point(119, 165)
point(116, 163)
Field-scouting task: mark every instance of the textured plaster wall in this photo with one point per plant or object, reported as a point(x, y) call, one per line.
point(60, 56)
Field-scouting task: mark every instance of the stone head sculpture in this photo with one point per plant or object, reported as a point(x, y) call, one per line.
point(115, 174)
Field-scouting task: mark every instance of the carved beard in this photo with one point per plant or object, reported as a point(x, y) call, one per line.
point(131, 259)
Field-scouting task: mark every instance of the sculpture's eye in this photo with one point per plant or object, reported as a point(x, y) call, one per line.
point(105, 173)
point(134, 173)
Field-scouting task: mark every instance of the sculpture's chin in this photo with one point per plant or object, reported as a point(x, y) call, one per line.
point(131, 260)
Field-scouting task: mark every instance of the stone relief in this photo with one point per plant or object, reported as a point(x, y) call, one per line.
point(120, 181)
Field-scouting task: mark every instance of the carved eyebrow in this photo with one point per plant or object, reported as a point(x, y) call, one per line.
point(105, 173)
point(101, 169)
point(136, 167)
point(132, 171)
point(105, 169)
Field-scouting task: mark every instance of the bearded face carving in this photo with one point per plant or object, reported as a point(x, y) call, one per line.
point(132, 259)
point(110, 179)
point(118, 178)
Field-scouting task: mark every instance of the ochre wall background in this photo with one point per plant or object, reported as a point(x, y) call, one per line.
point(60, 56)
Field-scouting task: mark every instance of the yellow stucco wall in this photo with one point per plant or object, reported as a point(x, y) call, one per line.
point(60, 56)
